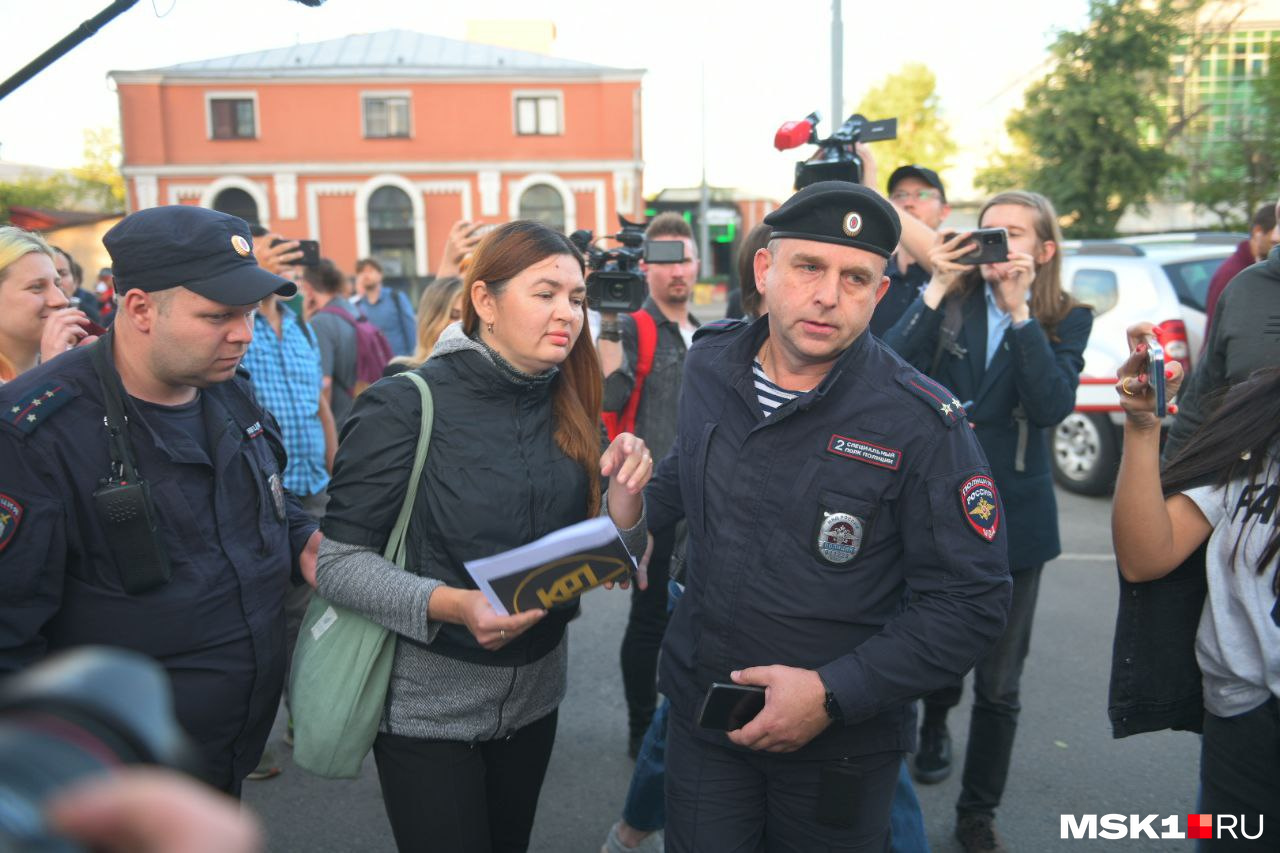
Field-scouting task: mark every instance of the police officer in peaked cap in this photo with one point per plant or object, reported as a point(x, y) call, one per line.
point(141, 487)
point(847, 550)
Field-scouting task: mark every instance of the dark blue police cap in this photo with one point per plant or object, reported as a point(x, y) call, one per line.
point(839, 212)
point(205, 251)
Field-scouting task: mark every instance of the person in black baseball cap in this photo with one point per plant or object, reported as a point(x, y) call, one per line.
point(187, 284)
point(149, 482)
point(205, 251)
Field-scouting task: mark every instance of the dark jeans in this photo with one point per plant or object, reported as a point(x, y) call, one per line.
point(729, 800)
point(1240, 776)
point(994, 720)
point(643, 637)
point(464, 797)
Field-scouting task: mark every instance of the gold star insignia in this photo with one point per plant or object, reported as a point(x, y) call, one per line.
point(956, 403)
point(16, 409)
point(48, 395)
point(31, 418)
point(37, 401)
point(946, 408)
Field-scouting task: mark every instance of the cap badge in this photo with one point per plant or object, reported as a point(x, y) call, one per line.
point(241, 245)
point(839, 537)
point(852, 223)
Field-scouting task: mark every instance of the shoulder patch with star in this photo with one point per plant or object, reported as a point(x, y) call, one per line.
point(936, 396)
point(32, 410)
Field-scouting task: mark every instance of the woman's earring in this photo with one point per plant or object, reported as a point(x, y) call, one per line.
point(489, 326)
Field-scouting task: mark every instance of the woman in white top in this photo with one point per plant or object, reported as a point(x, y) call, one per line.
point(1224, 487)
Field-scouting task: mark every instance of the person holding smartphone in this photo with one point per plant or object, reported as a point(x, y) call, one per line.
point(1218, 492)
point(1009, 341)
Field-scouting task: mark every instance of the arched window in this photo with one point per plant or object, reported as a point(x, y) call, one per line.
point(237, 202)
point(542, 203)
point(391, 230)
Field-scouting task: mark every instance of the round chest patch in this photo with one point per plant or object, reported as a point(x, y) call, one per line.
point(840, 537)
point(241, 245)
point(852, 223)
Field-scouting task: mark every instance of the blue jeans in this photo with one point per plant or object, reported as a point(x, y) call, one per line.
point(645, 807)
point(906, 820)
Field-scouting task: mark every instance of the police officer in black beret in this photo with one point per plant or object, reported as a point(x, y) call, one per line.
point(847, 546)
point(141, 493)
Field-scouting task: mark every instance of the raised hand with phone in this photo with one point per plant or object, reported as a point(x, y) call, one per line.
point(1146, 382)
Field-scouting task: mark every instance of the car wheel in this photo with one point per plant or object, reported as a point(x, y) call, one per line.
point(1086, 454)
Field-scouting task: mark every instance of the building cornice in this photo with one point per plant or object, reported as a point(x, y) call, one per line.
point(187, 170)
point(342, 76)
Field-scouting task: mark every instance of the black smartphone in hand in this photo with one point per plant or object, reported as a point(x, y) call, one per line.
point(728, 707)
point(988, 246)
point(1155, 375)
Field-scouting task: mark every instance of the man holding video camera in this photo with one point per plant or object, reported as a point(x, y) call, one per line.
point(656, 392)
point(846, 541)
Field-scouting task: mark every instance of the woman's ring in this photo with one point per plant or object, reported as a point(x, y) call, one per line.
point(502, 632)
point(1124, 386)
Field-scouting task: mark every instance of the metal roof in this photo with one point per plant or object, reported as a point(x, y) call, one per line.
point(391, 53)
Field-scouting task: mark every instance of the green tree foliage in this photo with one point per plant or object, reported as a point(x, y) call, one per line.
point(910, 95)
point(103, 183)
point(1090, 134)
point(1234, 178)
point(96, 185)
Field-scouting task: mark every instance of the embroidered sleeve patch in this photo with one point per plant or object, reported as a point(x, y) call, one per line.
point(10, 515)
point(865, 451)
point(981, 508)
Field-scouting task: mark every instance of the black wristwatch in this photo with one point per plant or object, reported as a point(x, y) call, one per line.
point(610, 330)
point(832, 707)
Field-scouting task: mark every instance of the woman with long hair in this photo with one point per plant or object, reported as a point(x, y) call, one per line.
point(1008, 341)
point(439, 305)
point(1222, 487)
point(515, 454)
point(36, 322)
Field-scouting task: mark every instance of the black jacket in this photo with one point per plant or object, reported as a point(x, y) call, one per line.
point(1030, 375)
point(218, 625)
point(809, 529)
point(494, 479)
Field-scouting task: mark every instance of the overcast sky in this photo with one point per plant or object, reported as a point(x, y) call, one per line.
point(764, 63)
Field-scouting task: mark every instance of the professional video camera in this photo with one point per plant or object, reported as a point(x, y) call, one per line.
point(616, 284)
point(835, 159)
point(76, 715)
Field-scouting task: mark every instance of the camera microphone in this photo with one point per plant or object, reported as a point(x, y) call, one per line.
point(793, 134)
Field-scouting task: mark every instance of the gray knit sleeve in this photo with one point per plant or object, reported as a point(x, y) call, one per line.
point(635, 538)
point(360, 579)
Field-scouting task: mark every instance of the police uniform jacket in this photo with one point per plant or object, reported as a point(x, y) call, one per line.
point(1029, 386)
point(218, 625)
point(809, 528)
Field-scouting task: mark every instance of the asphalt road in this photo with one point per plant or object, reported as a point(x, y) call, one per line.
point(1065, 761)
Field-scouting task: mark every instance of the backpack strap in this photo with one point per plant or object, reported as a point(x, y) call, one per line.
point(338, 311)
point(646, 346)
point(397, 542)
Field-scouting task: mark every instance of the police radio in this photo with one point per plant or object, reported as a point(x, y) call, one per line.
point(123, 499)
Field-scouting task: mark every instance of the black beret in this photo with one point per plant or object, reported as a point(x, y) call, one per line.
point(205, 251)
point(839, 212)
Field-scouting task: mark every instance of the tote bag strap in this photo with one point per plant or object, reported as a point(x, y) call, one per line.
point(395, 551)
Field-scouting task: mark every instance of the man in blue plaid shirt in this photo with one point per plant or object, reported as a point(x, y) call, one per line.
point(284, 365)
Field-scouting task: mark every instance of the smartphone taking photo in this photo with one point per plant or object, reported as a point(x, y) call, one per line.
point(987, 246)
point(1155, 374)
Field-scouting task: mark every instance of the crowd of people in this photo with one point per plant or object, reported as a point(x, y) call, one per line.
point(867, 431)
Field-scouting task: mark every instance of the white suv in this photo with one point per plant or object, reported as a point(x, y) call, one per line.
point(1161, 278)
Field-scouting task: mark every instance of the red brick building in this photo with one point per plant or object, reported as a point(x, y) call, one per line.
point(375, 144)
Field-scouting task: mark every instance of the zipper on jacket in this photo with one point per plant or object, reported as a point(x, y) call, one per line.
point(502, 706)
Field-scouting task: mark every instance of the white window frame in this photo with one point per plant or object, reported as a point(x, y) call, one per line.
point(365, 97)
point(210, 97)
point(538, 95)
